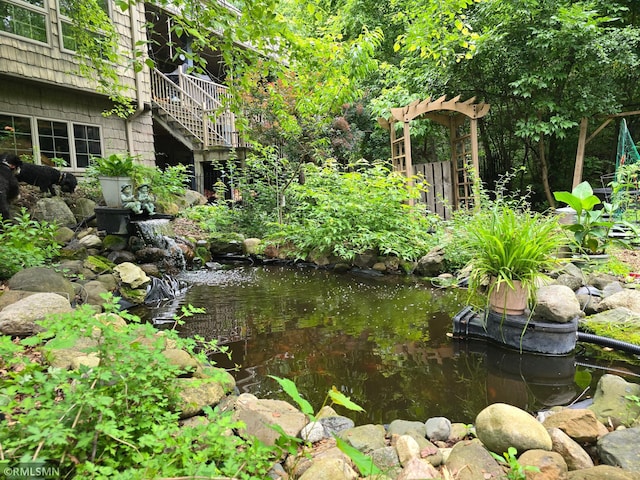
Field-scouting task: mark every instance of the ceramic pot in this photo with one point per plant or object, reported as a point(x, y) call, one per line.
point(111, 189)
point(506, 300)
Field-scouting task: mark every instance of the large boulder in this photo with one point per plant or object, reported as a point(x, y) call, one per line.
point(260, 415)
point(42, 279)
point(500, 426)
point(580, 424)
point(610, 402)
point(557, 303)
point(20, 318)
point(626, 298)
point(620, 449)
point(472, 461)
point(53, 210)
point(432, 264)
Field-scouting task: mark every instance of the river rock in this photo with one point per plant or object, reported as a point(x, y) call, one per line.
point(197, 393)
point(438, 428)
point(431, 264)
point(601, 280)
point(312, 432)
point(250, 246)
point(574, 283)
point(574, 455)
point(610, 404)
point(64, 235)
point(180, 359)
point(401, 427)
point(131, 275)
point(91, 241)
point(365, 437)
point(53, 210)
point(621, 448)
point(20, 318)
point(580, 424)
point(601, 472)
point(92, 291)
point(42, 279)
point(551, 464)
point(386, 459)
point(557, 303)
point(329, 469)
point(418, 469)
point(611, 288)
point(407, 449)
point(618, 317)
point(472, 461)
point(258, 416)
point(335, 424)
point(500, 426)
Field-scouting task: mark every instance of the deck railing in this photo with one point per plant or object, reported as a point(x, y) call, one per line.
point(198, 106)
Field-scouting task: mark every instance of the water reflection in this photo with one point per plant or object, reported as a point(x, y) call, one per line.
point(380, 340)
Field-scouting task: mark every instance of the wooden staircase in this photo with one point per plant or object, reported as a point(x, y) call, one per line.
point(193, 111)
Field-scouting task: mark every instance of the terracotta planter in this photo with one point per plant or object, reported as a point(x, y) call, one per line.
point(111, 189)
point(506, 300)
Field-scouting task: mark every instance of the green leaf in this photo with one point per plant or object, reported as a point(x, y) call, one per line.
point(290, 389)
point(363, 462)
point(340, 399)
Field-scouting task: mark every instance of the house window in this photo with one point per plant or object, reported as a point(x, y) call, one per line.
point(26, 18)
point(69, 34)
point(87, 143)
point(74, 142)
point(15, 135)
point(54, 140)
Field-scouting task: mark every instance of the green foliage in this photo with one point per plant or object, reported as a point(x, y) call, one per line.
point(592, 227)
point(26, 243)
point(363, 462)
point(165, 184)
point(351, 212)
point(118, 419)
point(510, 460)
point(114, 165)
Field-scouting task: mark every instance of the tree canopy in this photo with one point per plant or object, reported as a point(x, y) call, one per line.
point(543, 65)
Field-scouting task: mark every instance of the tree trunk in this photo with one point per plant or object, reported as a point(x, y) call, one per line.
point(544, 171)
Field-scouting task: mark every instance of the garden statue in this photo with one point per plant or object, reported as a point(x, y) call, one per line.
point(145, 199)
point(128, 200)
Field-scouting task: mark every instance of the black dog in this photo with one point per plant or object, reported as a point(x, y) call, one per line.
point(9, 187)
point(46, 177)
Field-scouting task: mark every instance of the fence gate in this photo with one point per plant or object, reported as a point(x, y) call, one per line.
point(439, 197)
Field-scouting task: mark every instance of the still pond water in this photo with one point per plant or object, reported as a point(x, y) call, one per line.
point(381, 340)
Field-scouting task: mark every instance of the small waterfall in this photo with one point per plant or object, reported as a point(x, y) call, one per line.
point(157, 232)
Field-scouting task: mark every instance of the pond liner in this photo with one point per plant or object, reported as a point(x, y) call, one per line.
point(517, 331)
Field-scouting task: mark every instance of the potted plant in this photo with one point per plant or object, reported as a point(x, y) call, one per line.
point(592, 228)
point(113, 172)
point(511, 249)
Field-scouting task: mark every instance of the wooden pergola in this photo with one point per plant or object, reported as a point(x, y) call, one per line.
point(464, 144)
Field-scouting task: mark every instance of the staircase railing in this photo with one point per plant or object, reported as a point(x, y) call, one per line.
point(196, 105)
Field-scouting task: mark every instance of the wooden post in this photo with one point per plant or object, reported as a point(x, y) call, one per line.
point(476, 162)
point(407, 156)
point(582, 142)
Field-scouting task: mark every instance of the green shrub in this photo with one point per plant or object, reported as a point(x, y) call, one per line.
point(116, 420)
point(26, 243)
point(351, 212)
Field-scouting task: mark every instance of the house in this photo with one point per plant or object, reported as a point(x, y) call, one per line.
point(49, 110)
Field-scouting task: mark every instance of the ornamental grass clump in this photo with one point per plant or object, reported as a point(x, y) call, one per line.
point(510, 244)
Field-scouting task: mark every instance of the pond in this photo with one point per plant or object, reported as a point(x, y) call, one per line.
point(382, 340)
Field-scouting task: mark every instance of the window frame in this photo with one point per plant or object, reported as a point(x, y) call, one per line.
point(70, 125)
point(64, 19)
point(43, 11)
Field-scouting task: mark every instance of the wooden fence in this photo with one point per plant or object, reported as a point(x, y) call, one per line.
point(439, 196)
